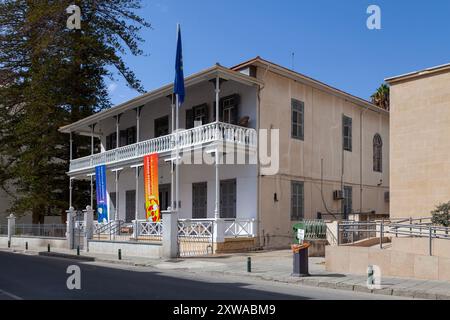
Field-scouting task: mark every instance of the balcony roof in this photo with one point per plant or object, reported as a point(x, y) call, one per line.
point(205, 75)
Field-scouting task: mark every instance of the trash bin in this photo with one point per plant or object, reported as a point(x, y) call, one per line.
point(300, 260)
point(295, 228)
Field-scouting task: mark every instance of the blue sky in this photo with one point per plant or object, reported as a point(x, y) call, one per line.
point(329, 38)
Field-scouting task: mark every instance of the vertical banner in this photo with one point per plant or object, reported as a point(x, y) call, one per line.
point(100, 183)
point(151, 189)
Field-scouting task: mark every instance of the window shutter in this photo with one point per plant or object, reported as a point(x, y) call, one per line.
point(108, 142)
point(206, 113)
point(123, 138)
point(189, 119)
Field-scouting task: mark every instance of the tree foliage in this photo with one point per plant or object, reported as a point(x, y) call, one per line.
point(381, 97)
point(441, 215)
point(51, 76)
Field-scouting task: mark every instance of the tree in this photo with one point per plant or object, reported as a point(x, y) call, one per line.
point(381, 97)
point(53, 76)
point(441, 215)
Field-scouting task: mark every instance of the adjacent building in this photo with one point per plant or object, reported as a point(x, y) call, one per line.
point(420, 131)
point(331, 157)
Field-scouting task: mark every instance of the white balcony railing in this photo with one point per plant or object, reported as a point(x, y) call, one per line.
point(188, 138)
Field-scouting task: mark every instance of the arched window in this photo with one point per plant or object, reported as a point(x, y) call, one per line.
point(377, 153)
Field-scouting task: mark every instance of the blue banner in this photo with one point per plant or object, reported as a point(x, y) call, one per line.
point(102, 204)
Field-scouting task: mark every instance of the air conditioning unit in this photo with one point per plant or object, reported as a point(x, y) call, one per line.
point(386, 196)
point(338, 195)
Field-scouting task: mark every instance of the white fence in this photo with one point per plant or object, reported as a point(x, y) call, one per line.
point(239, 228)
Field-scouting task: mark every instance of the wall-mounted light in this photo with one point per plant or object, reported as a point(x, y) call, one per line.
point(275, 197)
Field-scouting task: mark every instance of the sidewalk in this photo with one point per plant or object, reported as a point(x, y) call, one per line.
point(274, 266)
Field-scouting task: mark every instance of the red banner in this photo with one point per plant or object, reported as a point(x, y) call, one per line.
point(151, 190)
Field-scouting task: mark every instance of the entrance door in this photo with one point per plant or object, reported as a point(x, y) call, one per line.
point(164, 196)
point(228, 199)
point(112, 205)
point(199, 200)
point(130, 202)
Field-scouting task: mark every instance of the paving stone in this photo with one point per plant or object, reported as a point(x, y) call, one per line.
point(362, 288)
point(424, 295)
point(403, 293)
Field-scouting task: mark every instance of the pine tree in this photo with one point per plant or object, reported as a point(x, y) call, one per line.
point(53, 76)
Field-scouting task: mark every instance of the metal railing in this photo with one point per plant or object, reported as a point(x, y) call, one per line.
point(40, 230)
point(136, 231)
point(353, 231)
point(188, 138)
point(3, 230)
point(315, 229)
point(114, 231)
point(350, 231)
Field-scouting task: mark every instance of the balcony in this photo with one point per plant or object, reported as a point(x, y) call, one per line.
point(195, 137)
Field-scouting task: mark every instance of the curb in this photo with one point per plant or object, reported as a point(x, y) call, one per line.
point(319, 283)
point(65, 256)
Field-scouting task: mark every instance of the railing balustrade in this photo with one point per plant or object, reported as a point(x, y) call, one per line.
point(239, 228)
point(187, 138)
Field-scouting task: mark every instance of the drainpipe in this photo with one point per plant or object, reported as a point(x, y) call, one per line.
point(258, 127)
point(361, 158)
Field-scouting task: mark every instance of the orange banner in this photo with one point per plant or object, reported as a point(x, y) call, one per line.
point(151, 190)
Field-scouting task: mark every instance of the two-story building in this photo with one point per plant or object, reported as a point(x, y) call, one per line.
point(330, 156)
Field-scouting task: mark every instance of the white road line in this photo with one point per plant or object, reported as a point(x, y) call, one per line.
point(12, 296)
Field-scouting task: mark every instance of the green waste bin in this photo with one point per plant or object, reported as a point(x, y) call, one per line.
point(295, 229)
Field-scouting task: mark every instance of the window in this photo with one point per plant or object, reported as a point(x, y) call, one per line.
point(228, 199)
point(162, 126)
point(228, 109)
point(111, 141)
point(298, 119)
point(377, 153)
point(347, 133)
point(127, 136)
point(199, 200)
point(297, 203)
point(347, 202)
point(197, 113)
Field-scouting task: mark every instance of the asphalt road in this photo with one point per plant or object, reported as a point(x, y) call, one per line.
point(35, 277)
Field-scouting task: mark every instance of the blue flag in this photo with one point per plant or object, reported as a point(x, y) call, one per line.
point(102, 206)
point(178, 88)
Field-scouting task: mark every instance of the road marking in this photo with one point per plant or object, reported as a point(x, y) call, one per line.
point(12, 296)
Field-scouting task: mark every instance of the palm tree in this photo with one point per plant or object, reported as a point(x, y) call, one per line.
point(381, 97)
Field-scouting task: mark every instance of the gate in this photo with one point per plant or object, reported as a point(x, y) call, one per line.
point(78, 232)
point(195, 238)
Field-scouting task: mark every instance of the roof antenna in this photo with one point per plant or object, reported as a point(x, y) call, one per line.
point(293, 60)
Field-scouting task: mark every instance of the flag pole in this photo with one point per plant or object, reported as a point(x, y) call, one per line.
point(177, 169)
point(172, 163)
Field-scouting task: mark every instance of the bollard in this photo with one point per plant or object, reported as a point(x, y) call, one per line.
point(48, 247)
point(120, 254)
point(78, 250)
point(370, 276)
point(9, 243)
point(249, 264)
point(26, 245)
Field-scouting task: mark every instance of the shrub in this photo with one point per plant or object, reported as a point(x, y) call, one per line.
point(441, 215)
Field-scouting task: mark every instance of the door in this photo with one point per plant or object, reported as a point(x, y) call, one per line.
point(130, 202)
point(164, 196)
point(199, 200)
point(228, 199)
point(112, 205)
